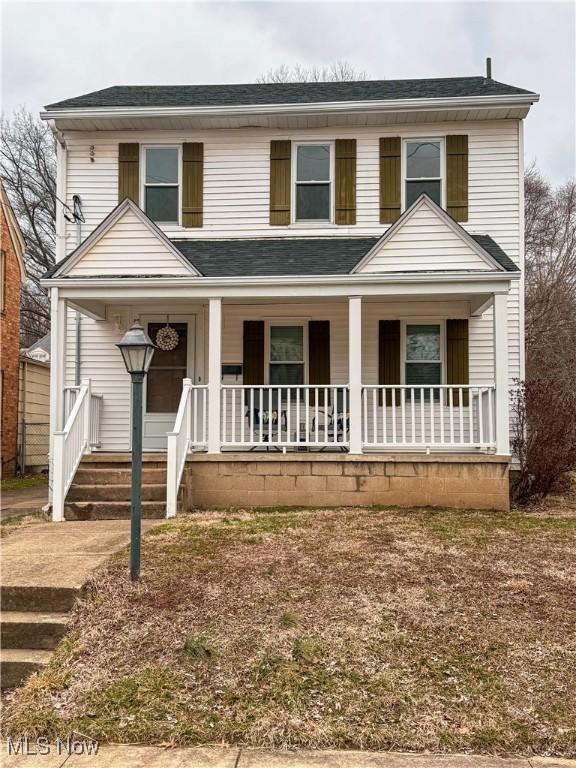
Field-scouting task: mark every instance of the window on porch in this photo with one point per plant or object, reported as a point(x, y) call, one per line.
point(423, 366)
point(287, 354)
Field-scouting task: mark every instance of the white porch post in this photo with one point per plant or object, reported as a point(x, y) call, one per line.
point(501, 373)
point(58, 314)
point(355, 371)
point(214, 373)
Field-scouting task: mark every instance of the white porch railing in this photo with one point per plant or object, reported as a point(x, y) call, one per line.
point(70, 444)
point(190, 432)
point(450, 417)
point(285, 416)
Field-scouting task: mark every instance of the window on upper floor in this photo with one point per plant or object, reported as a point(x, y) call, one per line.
point(423, 164)
point(162, 184)
point(313, 182)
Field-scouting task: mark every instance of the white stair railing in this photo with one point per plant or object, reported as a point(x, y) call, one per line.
point(70, 445)
point(190, 432)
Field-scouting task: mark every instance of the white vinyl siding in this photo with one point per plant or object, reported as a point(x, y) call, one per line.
point(425, 242)
point(129, 248)
point(236, 178)
point(236, 204)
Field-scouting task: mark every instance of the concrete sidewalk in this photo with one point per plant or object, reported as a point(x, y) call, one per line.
point(155, 757)
point(61, 555)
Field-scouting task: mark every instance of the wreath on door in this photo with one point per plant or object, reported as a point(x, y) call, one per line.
point(167, 338)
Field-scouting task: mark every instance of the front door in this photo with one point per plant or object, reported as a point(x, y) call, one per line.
point(164, 381)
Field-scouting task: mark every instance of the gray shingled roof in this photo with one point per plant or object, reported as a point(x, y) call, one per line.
point(291, 256)
point(287, 93)
point(492, 247)
point(275, 257)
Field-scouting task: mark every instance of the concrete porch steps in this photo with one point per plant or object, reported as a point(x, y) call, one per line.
point(111, 510)
point(115, 492)
point(101, 489)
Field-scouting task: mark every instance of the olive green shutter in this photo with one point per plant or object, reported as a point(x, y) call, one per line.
point(457, 177)
point(457, 356)
point(318, 356)
point(253, 352)
point(192, 184)
point(345, 192)
point(129, 172)
point(389, 357)
point(280, 162)
point(390, 148)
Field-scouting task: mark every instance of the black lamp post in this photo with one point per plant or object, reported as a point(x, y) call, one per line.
point(137, 351)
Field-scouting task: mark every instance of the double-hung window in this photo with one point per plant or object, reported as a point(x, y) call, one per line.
point(423, 365)
point(287, 354)
point(161, 184)
point(423, 170)
point(313, 182)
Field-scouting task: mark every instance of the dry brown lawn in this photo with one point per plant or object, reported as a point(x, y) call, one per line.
point(376, 629)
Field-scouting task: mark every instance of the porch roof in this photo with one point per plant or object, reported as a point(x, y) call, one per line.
point(291, 256)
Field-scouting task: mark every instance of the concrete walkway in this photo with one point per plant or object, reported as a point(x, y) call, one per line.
point(23, 501)
point(154, 757)
point(61, 555)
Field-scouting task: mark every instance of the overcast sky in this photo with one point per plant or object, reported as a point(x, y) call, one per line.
point(54, 50)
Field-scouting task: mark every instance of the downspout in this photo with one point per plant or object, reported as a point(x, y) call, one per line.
point(78, 320)
point(77, 351)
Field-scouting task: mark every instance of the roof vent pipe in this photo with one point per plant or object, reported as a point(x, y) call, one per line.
point(489, 68)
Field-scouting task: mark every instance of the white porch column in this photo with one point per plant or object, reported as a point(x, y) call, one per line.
point(58, 316)
point(501, 373)
point(214, 373)
point(355, 371)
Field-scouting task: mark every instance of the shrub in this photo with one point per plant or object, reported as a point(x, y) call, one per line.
point(544, 437)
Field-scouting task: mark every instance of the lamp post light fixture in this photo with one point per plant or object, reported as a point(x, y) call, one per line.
point(137, 350)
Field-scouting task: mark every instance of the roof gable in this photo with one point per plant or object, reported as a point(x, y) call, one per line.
point(129, 240)
point(426, 238)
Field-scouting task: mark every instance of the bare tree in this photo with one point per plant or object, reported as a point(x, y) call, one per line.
point(550, 237)
point(28, 172)
point(338, 71)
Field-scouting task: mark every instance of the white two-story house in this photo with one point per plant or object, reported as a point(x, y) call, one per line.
point(332, 274)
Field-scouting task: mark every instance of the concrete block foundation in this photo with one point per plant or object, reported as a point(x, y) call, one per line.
point(462, 481)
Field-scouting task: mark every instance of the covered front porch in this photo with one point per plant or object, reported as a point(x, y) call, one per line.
point(254, 378)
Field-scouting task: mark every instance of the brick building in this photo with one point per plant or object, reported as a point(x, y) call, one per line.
point(12, 274)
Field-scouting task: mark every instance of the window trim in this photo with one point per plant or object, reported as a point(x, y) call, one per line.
point(143, 185)
point(404, 163)
point(403, 341)
point(294, 183)
point(268, 324)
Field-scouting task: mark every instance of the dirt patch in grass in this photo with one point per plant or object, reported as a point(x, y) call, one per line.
point(370, 629)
